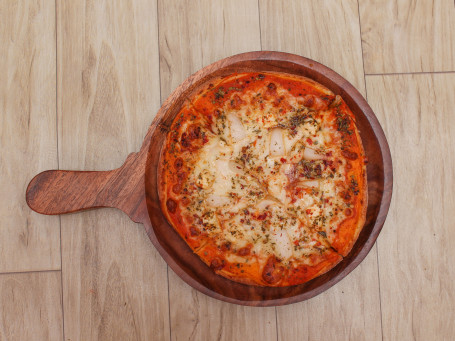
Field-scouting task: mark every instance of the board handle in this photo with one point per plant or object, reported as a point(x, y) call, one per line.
point(60, 191)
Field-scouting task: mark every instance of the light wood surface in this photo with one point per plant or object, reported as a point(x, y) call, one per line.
point(95, 72)
point(114, 282)
point(31, 306)
point(295, 27)
point(408, 35)
point(28, 140)
point(417, 246)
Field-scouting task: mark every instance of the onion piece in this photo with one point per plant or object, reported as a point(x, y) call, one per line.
point(276, 142)
point(264, 203)
point(283, 245)
point(236, 167)
point(217, 200)
point(237, 130)
point(310, 154)
point(309, 183)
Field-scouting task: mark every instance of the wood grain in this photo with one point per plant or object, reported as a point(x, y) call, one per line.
point(417, 245)
point(28, 141)
point(309, 29)
point(194, 34)
point(195, 316)
point(31, 306)
point(408, 36)
point(114, 282)
point(347, 311)
point(296, 27)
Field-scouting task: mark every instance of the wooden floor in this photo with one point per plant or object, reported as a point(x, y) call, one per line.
point(80, 83)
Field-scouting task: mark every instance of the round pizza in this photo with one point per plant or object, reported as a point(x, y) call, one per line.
point(263, 175)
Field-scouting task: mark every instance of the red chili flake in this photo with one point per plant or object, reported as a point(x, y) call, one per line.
point(296, 242)
point(309, 141)
point(262, 216)
point(242, 220)
point(308, 211)
point(283, 160)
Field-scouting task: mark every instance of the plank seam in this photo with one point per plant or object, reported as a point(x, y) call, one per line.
point(28, 272)
point(161, 102)
point(409, 73)
point(58, 163)
point(276, 324)
point(260, 30)
point(366, 95)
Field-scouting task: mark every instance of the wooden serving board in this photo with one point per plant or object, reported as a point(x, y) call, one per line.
point(133, 189)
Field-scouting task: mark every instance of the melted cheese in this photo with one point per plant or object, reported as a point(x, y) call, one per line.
point(262, 180)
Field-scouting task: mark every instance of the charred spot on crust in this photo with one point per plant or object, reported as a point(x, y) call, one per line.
point(308, 101)
point(178, 163)
point(273, 271)
point(194, 132)
point(171, 205)
point(271, 86)
point(346, 196)
point(348, 212)
point(184, 141)
point(244, 251)
point(349, 155)
point(271, 89)
point(226, 247)
point(181, 176)
point(217, 264)
point(177, 188)
point(193, 231)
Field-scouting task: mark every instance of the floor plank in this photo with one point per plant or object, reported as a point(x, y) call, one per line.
point(351, 309)
point(194, 34)
point(195, 316)
point(408, 35)
point(310, 29)
point(28, 138)
point(114, 281)
point(348, 311)
point(417, 245)
point(31, 306)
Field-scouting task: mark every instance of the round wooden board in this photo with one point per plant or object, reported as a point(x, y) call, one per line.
point(174, 249)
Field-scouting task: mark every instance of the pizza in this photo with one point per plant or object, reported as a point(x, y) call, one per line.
point(263, 175)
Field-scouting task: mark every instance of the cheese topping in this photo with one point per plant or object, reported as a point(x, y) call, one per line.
point(265, 175)
point(247, 173)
